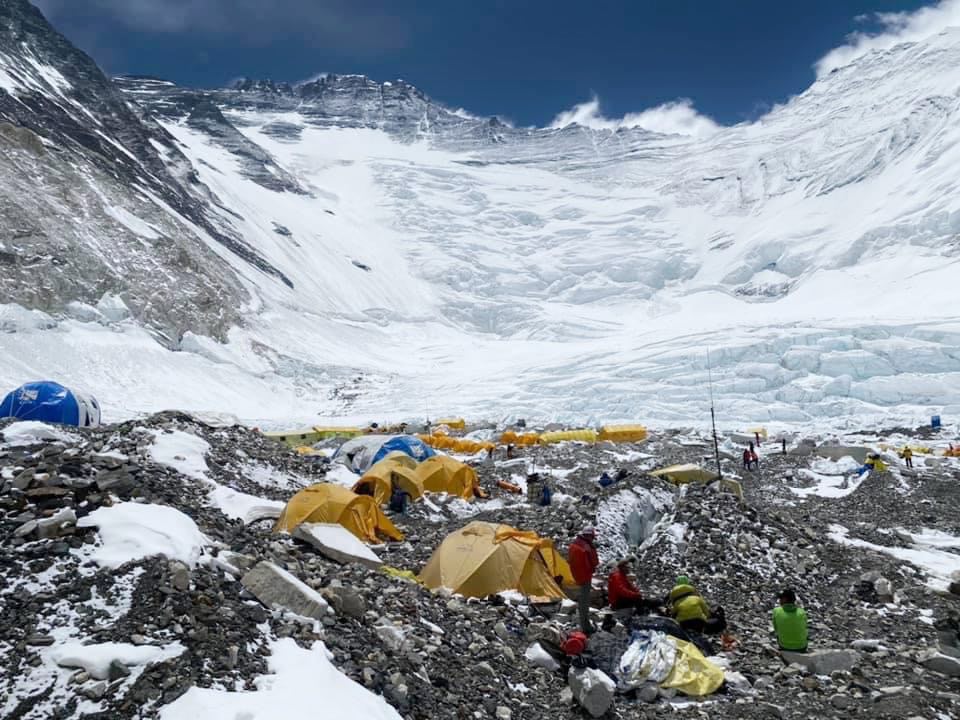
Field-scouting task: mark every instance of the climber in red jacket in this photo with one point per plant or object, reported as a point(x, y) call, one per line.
point(583, 559)
point(621, 592)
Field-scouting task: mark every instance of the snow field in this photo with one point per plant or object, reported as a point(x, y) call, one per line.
point(297, 675)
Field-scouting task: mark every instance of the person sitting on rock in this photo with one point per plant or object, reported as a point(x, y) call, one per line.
point(790, 623)
point(691, 611)
point(622, 594)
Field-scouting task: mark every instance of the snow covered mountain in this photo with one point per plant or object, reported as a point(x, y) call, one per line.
point(348, 247)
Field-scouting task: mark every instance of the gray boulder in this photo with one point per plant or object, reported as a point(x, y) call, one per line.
point(823, 662)
point(278, 589)
point(337, 543)
point(592, 689)
point(938, 662)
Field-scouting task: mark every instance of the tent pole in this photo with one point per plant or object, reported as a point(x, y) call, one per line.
point(713, 418)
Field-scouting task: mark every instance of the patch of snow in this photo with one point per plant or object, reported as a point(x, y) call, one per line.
point(241, 506)
point(536, 655)
point(96, 659)
point(341, 475)
point(132, 531)
point(269, 476)
point(830, 486)
point(132, 222)
point(31, 432)
point(938, 564)
point(299, 678)
point(182, 451)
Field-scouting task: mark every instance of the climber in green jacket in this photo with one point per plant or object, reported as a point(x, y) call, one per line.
point(790, 623)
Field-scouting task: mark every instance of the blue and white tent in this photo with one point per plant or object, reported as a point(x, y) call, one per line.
point(362, 453)
point(51, 402)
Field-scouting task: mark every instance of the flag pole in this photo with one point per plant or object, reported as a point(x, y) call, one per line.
point(713, 418)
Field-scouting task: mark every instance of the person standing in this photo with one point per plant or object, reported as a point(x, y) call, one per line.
point(908, 456)
point(582, 555)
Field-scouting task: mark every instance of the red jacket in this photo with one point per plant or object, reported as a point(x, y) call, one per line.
point(619, 588)
point(583, 560)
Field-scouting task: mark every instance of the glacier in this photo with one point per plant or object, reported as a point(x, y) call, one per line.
point(348, 249)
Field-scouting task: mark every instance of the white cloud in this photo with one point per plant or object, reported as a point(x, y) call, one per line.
point(673, 118)
point(896, 28)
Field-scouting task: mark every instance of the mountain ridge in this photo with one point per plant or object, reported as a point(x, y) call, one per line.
point(304, 234)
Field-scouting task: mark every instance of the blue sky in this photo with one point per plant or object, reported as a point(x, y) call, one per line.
point(525, 60)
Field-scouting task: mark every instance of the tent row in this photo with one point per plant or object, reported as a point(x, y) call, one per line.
point(608, 433)
point(440, 437)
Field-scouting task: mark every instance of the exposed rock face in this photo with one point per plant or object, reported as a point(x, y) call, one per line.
point(68, 129)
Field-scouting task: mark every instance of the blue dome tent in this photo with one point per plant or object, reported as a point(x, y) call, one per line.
point(51, 402)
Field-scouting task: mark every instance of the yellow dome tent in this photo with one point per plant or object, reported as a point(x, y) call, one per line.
point(484, 559)
point(444, 474)
point(329, 503)
point(683, 474)
point(395, 471)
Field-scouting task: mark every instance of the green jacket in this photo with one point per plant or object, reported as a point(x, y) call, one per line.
point(687, 604)
point(790, 624)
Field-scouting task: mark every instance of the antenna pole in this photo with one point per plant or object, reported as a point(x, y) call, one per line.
point(713, 418)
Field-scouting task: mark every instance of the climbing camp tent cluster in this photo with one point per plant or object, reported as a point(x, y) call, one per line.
point(358, 509)
point(47, 401)
point(362, 453)
point(483, 559)
point(437, 474)
point(329, 503)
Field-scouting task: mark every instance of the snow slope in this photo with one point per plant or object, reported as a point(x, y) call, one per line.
point(569, 273)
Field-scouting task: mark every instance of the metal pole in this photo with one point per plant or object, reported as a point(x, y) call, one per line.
point(713, 418)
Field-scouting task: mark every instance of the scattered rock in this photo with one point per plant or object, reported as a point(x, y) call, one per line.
point(592, 689)
point(96, 691)
point(841, 701)
point(179, 575)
